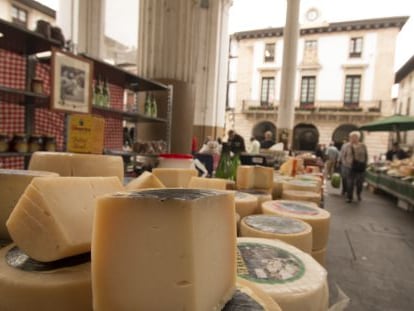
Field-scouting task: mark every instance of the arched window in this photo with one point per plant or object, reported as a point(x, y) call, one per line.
point(305, 137)
point(260, 128)
point(341, 133)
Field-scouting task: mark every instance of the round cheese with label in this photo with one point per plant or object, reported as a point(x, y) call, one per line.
point(291, 277)
point(26, 284)
point(320, 256)
point(297, 195)
point(308, 212)
point(292, 231)
point(249, 297)
point(262, 195)
point(301, 185)
point(277, 189)
point(246, 204)
point(309, 177)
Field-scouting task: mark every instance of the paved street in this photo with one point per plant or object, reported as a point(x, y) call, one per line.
point(371, 252)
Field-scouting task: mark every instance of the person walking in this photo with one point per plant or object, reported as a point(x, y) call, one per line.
point(332, 155)
point(354, 158)
point(236, 142)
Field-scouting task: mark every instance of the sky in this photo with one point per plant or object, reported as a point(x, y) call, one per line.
point(255, 14)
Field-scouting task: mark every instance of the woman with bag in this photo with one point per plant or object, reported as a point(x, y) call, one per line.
point(354, 158)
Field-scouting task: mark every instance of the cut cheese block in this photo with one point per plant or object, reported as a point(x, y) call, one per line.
point(301, 185)
point(246, 204)
point(254, 177)
point(53, 218)
point(291, 277)
point(29, 285)
point(277, 189)
point(207, 183)
point(319, 256)
point(180, 243)
point(144, 181)
point(80, 165)
point(262, 195)
point(249, 297)
point(175, 177)
point(12, 185)
point(317, 217)
point(307, 196)
point(292, 231)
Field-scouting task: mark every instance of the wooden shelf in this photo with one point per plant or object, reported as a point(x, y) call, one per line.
point(15, 154)
point(128, 116)
point(23, 41)
point(20, 92)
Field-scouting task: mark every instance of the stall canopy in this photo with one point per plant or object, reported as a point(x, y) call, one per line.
point(394, 123)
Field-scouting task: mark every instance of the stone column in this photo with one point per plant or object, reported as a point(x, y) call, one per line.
point(186, 42)
point(286, 114)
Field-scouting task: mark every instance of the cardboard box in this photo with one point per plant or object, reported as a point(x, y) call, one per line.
point(85, 134)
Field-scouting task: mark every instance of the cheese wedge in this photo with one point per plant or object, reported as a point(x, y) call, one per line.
point(254, 177)
point(175, 177)
point(53, 218)
point(144, 181)
point(207, 183)
point(178, 242)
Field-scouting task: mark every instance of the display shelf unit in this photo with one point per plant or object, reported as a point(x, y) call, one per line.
point(15, 154)
point(135, 117)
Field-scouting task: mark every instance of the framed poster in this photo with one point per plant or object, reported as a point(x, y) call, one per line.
point(71, 87)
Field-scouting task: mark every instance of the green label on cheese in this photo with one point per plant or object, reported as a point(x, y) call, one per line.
point(170, 194)
point(263, 263)
point(19, 260)
point(295, 208)
point(242, 302)
point(274, 224)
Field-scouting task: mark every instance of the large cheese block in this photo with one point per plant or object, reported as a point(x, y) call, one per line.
point(249, 297)
point(320, 256)
point(164, 249)
point(277, 188)
point(26, 284)
point(12, 185)
point(144, 181)
point(292, 231)
point(254, 177)
point(53, 218)
point(301, 185)
point(262, 195)
point(297, 195)
point(207, 183)
point(246, 204)
point(175, 177)
point(291, 277)
point(308, 212)
point(76, 164)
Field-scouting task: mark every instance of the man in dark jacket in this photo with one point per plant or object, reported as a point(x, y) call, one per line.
point(236, 142)
point(396, 153)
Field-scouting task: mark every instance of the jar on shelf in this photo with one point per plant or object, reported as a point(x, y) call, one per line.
point(49, 143)
point(20, 143)
point(35, 143)
point(4, 142)
point(37, 86)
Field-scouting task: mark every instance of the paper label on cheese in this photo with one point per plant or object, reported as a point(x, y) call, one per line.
point(267, 264)
point(242, 302)
point(170, 194)
point(16, 258)
point(295, 208)
point(274, 224)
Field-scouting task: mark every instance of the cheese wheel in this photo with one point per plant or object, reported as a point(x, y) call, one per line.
point(292, 231)
point(207, 183)
point(246, 204)
point(254, 177)
point(177, 242)
point(53, 218)
point(307, 196)
point(262, 195)
point(230, 184)
point(76, 164)
point(277, 188)
point(249, 297)
point(309, 177)
point(12, 185)
point(175, 177)
point(320, 256)
point(301, 185)
point(144, 181)
point(308, 212)
point(291, 277)
point(29, 285)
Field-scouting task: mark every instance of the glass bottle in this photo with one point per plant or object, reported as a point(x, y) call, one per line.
point(106, 100)
point(97, 93)
point(154, 108)
point(147, 105)
point(225, 165)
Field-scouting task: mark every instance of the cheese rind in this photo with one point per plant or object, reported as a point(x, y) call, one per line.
point(53, 218)
point(291, 277)
point(277, 189)
point(292, 231)
point(164, 240)
point(76, 164)
point(64, 289)
point(207, 183)
point(262, 196)
point(320, 256)
point(308, 196)
point(144, 181)
point(254, 177)
point(175, 177)
point(308, 212)
point(246, 204)
point(12, 185)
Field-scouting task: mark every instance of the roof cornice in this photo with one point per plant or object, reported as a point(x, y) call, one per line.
point(405, 70)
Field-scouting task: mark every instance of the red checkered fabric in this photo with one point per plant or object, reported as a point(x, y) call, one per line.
point(47, 122)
